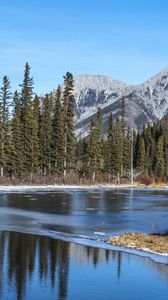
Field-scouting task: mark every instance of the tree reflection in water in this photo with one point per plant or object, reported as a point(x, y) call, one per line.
point(38, 267)
point(23, 256)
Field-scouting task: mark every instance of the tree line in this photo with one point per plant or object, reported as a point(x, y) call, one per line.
point(37, 139)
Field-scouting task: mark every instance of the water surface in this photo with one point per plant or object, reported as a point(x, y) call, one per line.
point(84, 212)
point(35, 266)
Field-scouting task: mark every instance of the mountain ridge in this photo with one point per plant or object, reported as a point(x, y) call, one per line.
point(144, 103)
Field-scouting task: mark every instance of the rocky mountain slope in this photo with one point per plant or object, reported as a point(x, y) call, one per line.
point(144, 103)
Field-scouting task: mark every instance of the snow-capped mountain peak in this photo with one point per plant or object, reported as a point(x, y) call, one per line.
point(144, 103)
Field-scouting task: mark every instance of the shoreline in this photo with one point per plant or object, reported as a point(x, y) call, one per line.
point(151, 243)
point(99, 243)
point(93, 242)
point(20, 188)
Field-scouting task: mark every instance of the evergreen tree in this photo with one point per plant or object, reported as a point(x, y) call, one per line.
point(122, 137)
point(26, 92)
point(36, 117)
point(69, 129)
point(160, 161)
point(27, 117)
point(109, 147)
point(136, 138)
point(5, 96)
point(58, 136)
point(46, 135)
point(95, 147)
point(10, 153)
point(127, 152)
point(99, 118)
point(118, 149)
point(83, 156)
point(141, 164)
point(17, 137)
point(165, 136)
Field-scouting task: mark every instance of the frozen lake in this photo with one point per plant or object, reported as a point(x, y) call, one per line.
point(85, 211)
point(35, 266)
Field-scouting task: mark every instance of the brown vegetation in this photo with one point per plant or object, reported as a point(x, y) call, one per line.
point(82, 178)
point(147, 242)
point(71, 178)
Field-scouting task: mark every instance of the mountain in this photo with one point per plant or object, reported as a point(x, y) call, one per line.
point(144, 103)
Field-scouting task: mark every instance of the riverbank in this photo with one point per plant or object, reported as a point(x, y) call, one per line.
point(52, 188)
point(146, 242)
point(22, 188)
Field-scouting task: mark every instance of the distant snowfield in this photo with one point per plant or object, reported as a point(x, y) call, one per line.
point(34, 188)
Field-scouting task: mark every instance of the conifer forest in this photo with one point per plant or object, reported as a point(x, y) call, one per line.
point(38, 141)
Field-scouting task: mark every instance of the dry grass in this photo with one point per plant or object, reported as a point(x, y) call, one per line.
point(154, 185)
point(147, 242)
point(73, 178)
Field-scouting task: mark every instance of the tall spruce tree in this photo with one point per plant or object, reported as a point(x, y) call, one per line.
point(46, 136)
point(5, 97)
point(122, 137)
point(36, 117)
point(165, 136)
point(69, 129)
point(118, 149)
point(160, 161)
point(17, 136)
point(95, 146)
point(109, 165)
point(141, 157)
point(58, 139)
point(83, 156)
point(150, 148)
point(127, 153)
point(27, 116)
point(10, 154)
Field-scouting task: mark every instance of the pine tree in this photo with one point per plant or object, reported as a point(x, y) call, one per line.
point(99, 118)
point(127, 152)
point(69, 129)
point(26, 91)
point(10, 153)
point(141, 163)
point(82, 156)
point(160, 161)
point(109, 147)
point(150, 148)
point(46, 136)
point(118, 149)
point(125, 143)
point(5, 96)
point(122, 137)
point(58, 136)
point(27, 116)
point(95, 147)
point(165, 135)
point(17, 137)
point(36, 117)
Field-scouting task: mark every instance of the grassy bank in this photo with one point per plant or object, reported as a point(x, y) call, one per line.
point(71, 182)
point(147, 242)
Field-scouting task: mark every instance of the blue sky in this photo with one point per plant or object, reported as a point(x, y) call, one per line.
point(125, 39)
